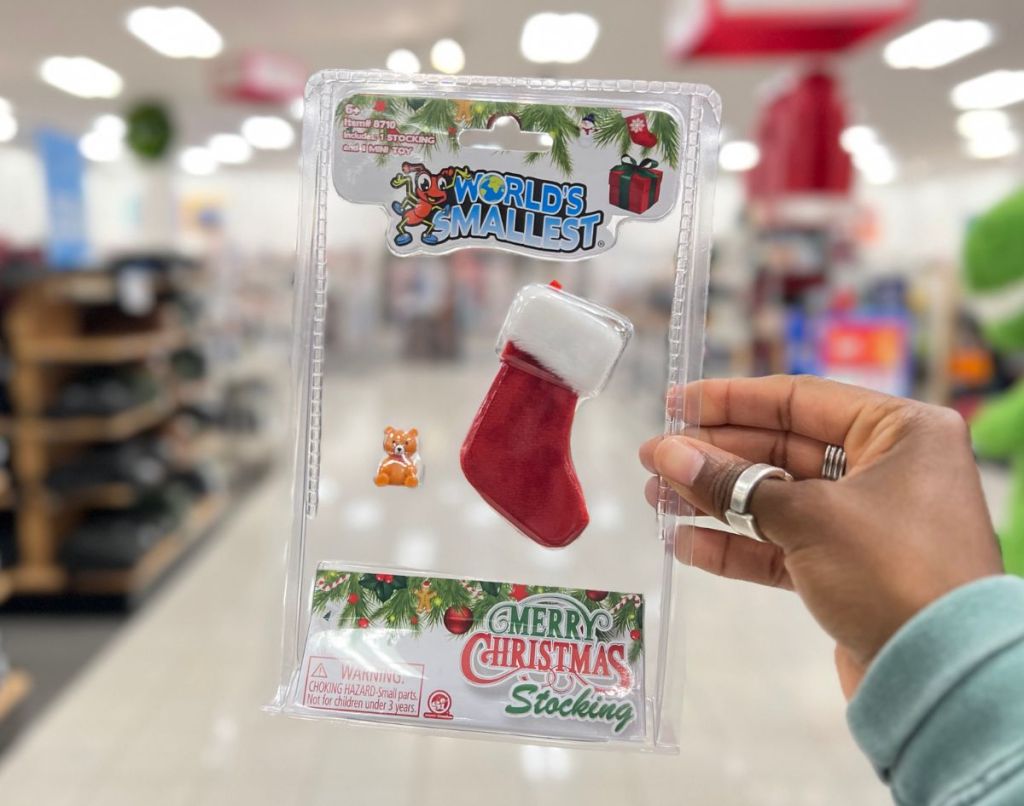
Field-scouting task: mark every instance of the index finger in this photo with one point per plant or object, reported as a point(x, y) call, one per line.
point(814, 407)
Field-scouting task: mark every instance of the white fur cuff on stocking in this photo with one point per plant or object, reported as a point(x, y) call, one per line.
point(574, 339)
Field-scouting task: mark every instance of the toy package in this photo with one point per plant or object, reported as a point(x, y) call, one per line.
point(499, 282)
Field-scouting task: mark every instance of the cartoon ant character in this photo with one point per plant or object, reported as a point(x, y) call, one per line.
point(426, 193)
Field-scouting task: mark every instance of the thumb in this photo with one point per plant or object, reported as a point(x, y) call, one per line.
point(704, 476)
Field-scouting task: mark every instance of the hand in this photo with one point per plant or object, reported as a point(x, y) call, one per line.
point(907, 524)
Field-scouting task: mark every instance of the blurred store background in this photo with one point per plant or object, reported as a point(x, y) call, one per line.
point(149, 188)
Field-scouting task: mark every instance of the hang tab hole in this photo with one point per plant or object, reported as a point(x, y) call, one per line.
point(504, 134)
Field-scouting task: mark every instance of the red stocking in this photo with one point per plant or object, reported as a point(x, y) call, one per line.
point(639, 131)
point(558, 348)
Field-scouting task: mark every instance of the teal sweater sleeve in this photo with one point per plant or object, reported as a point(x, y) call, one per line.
point(940, 712)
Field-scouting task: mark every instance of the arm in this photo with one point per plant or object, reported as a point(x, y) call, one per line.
point(940, 712)
point(402, 181)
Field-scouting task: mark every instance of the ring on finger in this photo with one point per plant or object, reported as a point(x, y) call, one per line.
point(834, 466)
point(738, 515)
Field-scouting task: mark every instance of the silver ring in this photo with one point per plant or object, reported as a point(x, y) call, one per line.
point(738, 515)
point(834, 466)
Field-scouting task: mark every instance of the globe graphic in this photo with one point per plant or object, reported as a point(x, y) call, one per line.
point(492, 189)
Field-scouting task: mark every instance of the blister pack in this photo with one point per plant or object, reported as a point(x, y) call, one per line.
point(500, 282)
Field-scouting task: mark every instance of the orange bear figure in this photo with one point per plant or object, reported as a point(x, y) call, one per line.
point(401, 466)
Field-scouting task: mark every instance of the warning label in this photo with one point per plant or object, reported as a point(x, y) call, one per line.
point(336, 685)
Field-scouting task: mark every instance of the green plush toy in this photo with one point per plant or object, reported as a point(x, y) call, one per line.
point(994, 265)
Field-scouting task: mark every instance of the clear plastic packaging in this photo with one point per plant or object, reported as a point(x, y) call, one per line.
point(421, 602)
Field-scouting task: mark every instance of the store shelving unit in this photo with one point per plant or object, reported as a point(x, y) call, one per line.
point(102, 349)
point(6, 586)
point(48, 340)
point(14, 688)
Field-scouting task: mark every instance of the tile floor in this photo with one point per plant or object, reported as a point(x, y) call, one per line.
point(169, 713)
point(53, 648)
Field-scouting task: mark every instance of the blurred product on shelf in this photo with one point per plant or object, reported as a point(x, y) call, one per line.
point(116, 539)
point(8, 542)
point(142, 462)
point(189, 364)
point(97, 391)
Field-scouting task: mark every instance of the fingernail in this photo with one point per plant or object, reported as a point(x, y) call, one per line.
point(647, 453)
point(679, 461)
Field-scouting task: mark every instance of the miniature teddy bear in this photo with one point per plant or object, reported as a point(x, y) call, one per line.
point(401, 465)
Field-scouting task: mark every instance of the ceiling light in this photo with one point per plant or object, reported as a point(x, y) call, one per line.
point(405, 61)
point(447, 56)
point(8, 127)
point(231, 149)
point(856, 138)
point(110, 125)
point(297, 108)
point(5, 107)
point(870, 155)
point(267, 131)
point(937, 43)
point(979, 122)
point(176, 32)
point(875, 164)
point(105, 141)
point(990, 91)
point(564, 38)
point(100, 146)
point(739, 155)
point(882, 174)
point(197, 161)
point(993, 144)
point(81, 76)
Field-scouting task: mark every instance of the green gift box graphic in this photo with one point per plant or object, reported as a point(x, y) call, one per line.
point(634, 186)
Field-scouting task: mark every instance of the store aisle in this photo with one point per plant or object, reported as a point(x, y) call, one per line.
point(170, 712)
point(55, 647)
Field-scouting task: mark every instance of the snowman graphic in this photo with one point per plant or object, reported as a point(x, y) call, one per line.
point(588, 127)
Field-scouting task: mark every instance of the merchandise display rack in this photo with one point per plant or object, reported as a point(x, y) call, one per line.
point(47, 341)
point(6, 586)
point(15, 686)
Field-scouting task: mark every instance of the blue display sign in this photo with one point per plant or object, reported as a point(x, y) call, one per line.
point(67, 245)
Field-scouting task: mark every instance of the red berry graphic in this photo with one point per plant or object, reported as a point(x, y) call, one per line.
point(634, 634)
point(353, 598)
point(414, 620)
point(518, 592)
point(596, 596)
point(379, 105)
point(364, 623)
